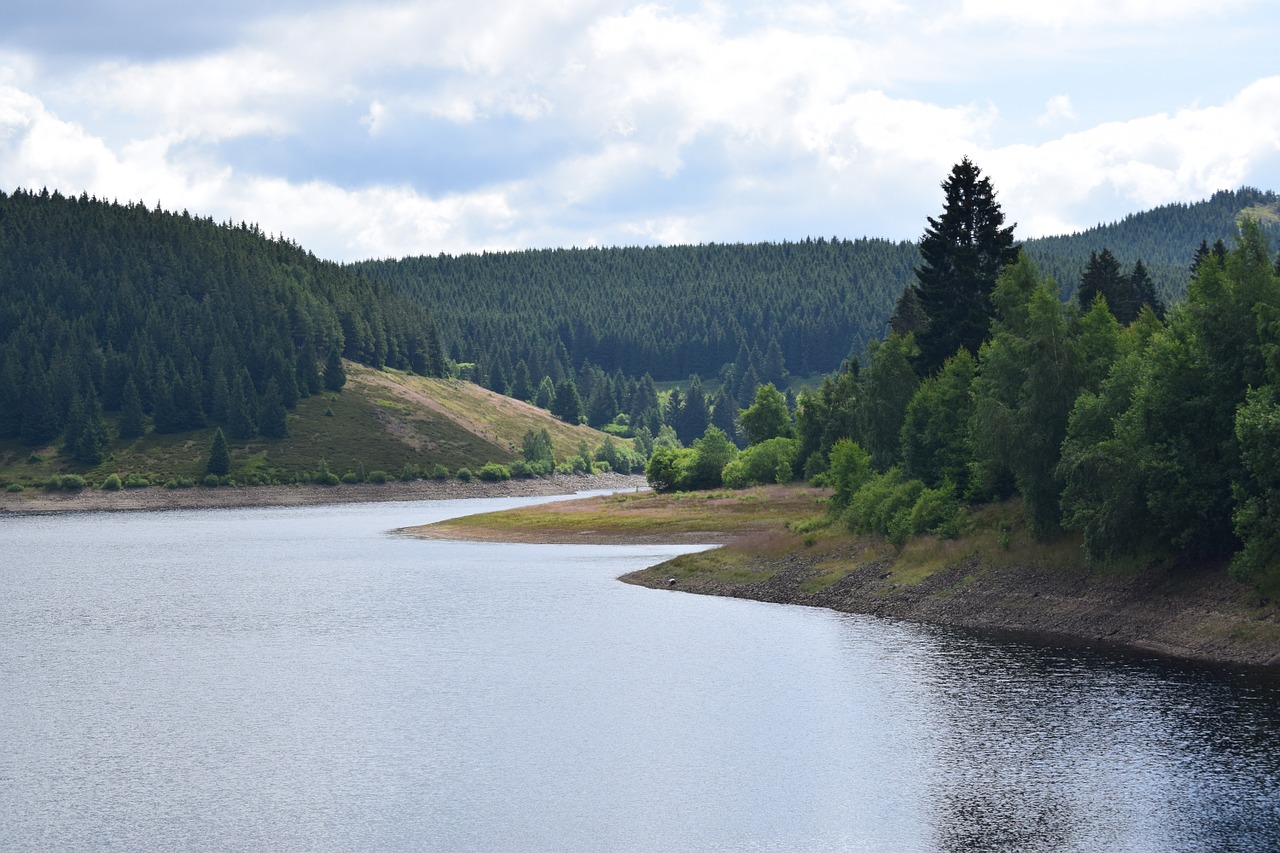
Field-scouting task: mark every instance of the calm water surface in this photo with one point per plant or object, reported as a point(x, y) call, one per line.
point(301, 679)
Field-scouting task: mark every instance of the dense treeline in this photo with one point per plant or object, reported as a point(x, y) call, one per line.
point(669, 312)
point(1164, 239)
point(676, 311)
point(176, 322)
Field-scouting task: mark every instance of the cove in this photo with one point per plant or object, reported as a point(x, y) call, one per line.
point(302, 679)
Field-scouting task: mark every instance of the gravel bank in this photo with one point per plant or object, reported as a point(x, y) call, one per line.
point(200, 497)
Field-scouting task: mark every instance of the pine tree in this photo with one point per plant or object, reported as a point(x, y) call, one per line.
point(219, 456)
point(567, 405)
point(272, 419)
point(1102, 277)
point(1144, 289)
point(963, 253)
point(335, 376)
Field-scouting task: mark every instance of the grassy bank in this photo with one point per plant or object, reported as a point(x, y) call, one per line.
point(778, 546)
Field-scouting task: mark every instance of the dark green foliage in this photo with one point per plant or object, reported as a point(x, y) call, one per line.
point(98, 298)
point(132, 422)
point(669, 311)
point(619, 457)
point(86, 433)
point(665, 466)
point(335, 375)
point(567, 404)
point(694, 415)
point(961, 254)
point(219, 463)
point(111, 484)
point(272, 419)
point(1257, 492)
point(1103, 277)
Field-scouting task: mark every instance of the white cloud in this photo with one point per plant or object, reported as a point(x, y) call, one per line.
point(1094, 14)
point(1056, 109)
point(1148, 161)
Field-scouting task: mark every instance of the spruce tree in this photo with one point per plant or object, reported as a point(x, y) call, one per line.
point(567, 405)
point(963, 252)
point(272, 419)
point(334, 374)
point(219, 456)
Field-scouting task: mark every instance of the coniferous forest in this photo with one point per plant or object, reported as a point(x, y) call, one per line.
point(176, 321)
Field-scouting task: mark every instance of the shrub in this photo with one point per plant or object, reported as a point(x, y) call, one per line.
point(493, 472)
point(71, 482)
point(934, 509)
point(112, 483)
point(136, 481)
point(210, 480)
point(179, 483)
point(326, 478)
point(521, 469)
point(410, 472)
point(378, 477)
point(351, 478)
point(464, 474)
point(439, 472)
point(14, 488)
point(769, 461)
point(848, 470)
point(883, 505)
point(734, 475)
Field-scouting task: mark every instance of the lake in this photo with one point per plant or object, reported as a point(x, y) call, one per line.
point(302, 679)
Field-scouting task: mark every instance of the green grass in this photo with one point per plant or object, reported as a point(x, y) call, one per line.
point(381, 420)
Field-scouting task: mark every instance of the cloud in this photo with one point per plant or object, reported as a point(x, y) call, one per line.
point(1056, 109)
point(1146, 161)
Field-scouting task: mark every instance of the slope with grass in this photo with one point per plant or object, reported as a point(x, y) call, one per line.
point(382, 420)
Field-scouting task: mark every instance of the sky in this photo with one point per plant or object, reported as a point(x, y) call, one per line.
point(388, 129)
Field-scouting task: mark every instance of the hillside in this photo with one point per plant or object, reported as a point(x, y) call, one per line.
point(382, 420)
point(679, 310)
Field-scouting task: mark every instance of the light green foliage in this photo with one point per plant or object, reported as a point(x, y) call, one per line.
point(112, 483)
point(883, 506)
point(1030, 373)
point(850, 468)
point(667, 438)
point(935, 429)
point(886, 387)
point(493, 472)
point(538, 451)
point(767, 462)
point(711, 453)
point(464, 475)
point(767, 417)
point(665, 466)
point(619, 457)
point(378, 476)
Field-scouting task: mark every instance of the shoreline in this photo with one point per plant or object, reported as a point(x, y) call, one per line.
point(157, 498)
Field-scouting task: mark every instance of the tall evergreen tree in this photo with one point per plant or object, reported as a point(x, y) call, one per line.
point(335, 376)
point(1103, 277)
point(219, 462)
point(272, 418)
point(567, 405)
point(962, 253)
point(1144, 289)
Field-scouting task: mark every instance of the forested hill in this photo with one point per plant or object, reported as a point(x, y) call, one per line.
point(1164, 239)
point(678, 310)
point(669, 311)
point(194, 323)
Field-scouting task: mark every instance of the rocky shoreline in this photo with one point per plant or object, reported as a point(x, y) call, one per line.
point(1173, 611)
point(201, 497)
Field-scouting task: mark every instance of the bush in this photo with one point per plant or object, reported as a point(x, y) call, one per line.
point(179, 483)
point(769, 461)
point(136, 481)
point(883, 505)
point(14, 488)
point(734, 475)
point(936, 511)
point(492, 472)
point(665, 466)
point(439, 472)
point(378, 477)
point(464, 474)
point(848, 470)
point(410, 472)
point(521, 469)
point(351, 478)
point(211, 481)
point(112, 483)
point(326, 478)
point(69, 482)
